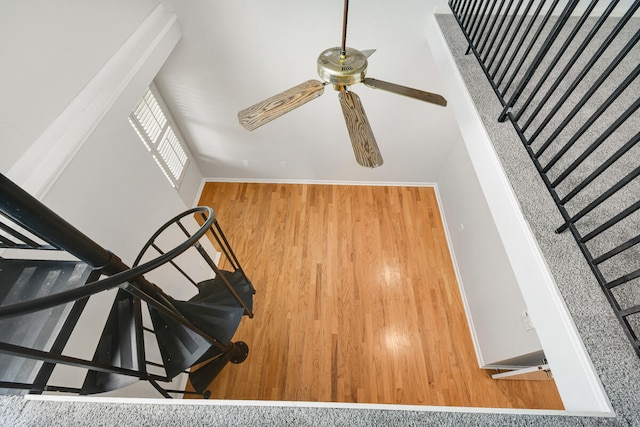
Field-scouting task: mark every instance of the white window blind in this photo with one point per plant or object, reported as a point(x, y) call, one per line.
point(154, 129)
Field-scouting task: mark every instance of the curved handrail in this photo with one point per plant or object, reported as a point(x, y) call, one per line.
point(112, 281)
point(201, 209)
point(226, 250)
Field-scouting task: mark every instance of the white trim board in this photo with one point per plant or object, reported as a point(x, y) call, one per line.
point(321, 182)
point(309, 182)
point(304, 404)
point(43, 162)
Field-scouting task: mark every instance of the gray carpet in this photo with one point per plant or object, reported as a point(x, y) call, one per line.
point(576, 135)
point(613, 357)
point(119, 414)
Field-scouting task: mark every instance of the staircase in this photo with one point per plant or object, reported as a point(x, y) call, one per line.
point(49, 271)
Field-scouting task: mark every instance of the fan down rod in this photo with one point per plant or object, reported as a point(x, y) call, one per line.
point(343, 52)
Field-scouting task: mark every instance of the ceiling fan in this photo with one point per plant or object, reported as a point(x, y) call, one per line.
point(342, 67)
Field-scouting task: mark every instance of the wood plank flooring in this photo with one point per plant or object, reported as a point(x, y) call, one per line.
point(356, 301)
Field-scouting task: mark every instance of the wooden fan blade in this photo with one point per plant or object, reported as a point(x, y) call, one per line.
point(274, 107)
point(433, 98)
point(364, 143)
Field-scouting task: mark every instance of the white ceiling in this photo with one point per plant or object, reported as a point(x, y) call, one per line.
point(236, 53)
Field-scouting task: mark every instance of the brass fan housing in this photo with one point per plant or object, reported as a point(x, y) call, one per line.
point(335, 69)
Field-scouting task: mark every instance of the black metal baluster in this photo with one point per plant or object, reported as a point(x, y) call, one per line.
point(611, 222)
point(495, 35)
point(225, 248)
point(483, 43)
point(617, 250)
point(623, 279)
point(593, 88)
point(612, 128)
point(523, 37)
point(604, 196)
point(176, 266)
point(611, 160)
point(224, 239)
point(471, 16)
point(592, 119)
point(567, 67)
point(457, 6)
point(477, 24)
point(539, 57)
point(502, 39)
point(485, 22)
point(574, 84)
point(464, 10)
point(529, 48)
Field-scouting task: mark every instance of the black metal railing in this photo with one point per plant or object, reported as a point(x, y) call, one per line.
point(28, 224)
point(567, 80)
point(211, 228)
point(13, 237)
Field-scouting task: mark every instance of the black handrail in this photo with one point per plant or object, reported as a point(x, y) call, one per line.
point(208, 222)
point(22, 208)
point(128, 275)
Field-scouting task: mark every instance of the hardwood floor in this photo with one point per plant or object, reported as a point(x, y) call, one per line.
point(357, 300)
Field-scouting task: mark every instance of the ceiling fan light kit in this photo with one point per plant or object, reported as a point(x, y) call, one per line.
point(341, 67)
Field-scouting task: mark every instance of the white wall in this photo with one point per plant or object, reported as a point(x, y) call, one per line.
point(60, 60)
point(75, 71)
point(493, 299)
point(234, 54)
point(574, 373)
point(50, 51)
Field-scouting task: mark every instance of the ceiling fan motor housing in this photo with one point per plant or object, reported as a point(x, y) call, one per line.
point(335, 69)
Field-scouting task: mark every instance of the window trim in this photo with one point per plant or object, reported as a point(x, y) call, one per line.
point(166, 163)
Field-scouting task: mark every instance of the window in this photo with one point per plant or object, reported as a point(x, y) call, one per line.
point(154, 129)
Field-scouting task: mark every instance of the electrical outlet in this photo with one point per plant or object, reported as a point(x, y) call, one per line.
point(283, 163)
point(245, 163)
point(526, 320)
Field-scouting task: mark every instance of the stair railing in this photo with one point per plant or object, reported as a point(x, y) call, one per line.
point(14, 238)
point(208, 222)
point(40, 221)
point(546, 65)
